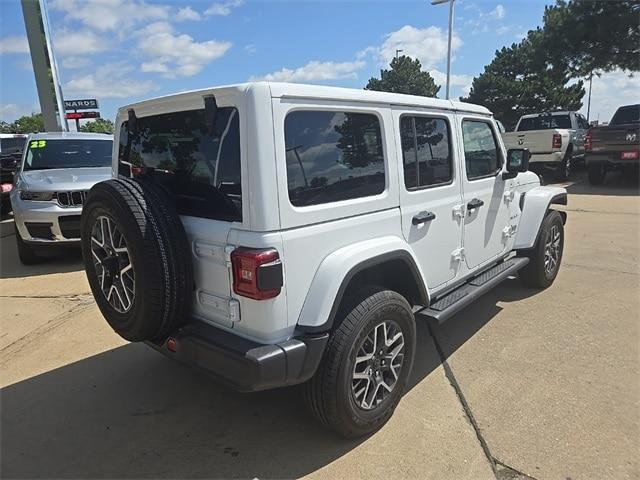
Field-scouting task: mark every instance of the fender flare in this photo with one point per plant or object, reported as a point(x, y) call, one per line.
point(537, 202)
point(330, 282)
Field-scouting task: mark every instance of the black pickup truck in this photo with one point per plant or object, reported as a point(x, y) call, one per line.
point(614, 146)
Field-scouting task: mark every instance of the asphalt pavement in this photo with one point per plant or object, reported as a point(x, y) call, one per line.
point(523, 384)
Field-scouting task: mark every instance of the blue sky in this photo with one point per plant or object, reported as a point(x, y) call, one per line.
point(120, 51)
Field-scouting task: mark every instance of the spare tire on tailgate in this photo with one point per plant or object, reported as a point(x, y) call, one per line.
point(137, 258)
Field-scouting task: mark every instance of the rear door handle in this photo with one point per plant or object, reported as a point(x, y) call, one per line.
point(475, 203)
point(423, 217)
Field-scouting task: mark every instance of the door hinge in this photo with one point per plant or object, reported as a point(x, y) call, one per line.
point(457, 254)
point(509, 231)
point(458, 211)
point(509, 196)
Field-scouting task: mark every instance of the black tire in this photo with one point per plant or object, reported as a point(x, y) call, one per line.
point(26, 253)
point(328, 395)
point(157, 249)
point(535, 274)
point(563, 173)
point(596, 172)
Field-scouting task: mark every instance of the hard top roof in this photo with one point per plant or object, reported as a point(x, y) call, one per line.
point(321, 92)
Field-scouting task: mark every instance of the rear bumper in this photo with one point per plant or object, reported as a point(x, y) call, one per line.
point(612, 158)
point(547, 157)
point(242, 364)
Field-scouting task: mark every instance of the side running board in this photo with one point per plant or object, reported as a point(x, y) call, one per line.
point(450, 304)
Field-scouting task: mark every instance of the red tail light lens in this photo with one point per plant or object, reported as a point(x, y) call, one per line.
point(588, 142)
point(557, 141)
point(257, 273)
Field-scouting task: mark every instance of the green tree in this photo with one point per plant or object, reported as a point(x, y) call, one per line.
point(588, 36)
point(405, 76)
point(29, 124)
point(521, 79)
point(100, 125)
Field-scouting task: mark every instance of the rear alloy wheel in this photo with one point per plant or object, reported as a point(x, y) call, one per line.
point(377, 365)
point(366, 365)
point(113, 264)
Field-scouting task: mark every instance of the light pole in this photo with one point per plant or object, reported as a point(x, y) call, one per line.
point(438, 2)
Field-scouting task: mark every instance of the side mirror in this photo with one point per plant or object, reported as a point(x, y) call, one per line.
point(517, 161)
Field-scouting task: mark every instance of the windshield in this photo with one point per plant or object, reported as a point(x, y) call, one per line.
point(68, 153)
point(544, 122)
point(628, 114)
point(12, 145)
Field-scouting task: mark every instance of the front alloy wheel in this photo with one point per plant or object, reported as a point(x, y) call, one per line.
point(112, 263)
point(552, 251)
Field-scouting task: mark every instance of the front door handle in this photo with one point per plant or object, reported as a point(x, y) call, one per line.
point(475, 203)
point(423, 217)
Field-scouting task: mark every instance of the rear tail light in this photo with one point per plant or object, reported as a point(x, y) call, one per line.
point(557, 141)
point(588, 142)
point(257, 273)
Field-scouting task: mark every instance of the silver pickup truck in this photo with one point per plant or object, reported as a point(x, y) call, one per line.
point(555, 140)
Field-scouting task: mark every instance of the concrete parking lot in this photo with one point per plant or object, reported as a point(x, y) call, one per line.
point(522, 384)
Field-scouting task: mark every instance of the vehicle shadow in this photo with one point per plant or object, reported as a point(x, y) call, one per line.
point(57, 261)
point(130, 412)
point(618, 183)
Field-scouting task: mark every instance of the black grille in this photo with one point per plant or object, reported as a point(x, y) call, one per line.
point(70, 226)
point(39, 230)
point(71, 199)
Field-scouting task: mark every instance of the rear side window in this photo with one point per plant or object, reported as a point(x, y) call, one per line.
point(545, 122)
point(426, 152)
point(196, 163)
point(482, 157)
point(628, 114)
point(333, 156)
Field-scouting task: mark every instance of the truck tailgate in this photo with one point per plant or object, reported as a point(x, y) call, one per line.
point(615, 138)
point(537, 141)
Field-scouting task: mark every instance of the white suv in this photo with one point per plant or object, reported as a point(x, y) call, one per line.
point(277, 234)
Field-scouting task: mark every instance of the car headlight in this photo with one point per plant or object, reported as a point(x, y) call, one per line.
point(36, 196)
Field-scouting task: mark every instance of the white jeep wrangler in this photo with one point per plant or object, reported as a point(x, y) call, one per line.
point(277, 234)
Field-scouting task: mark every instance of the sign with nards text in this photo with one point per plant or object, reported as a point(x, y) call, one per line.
point(86, 104)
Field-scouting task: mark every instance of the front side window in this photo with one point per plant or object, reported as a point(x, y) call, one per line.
point(426, 152)
point(333, 156)
point(69, 153)
point(198, 164)
point(481, 153)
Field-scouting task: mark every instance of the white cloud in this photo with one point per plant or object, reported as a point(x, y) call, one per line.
point(82, 42)
point(75, 62)
point(610, 91)
point(154, 67)
point(250, 49)
point(499, 12)
point(110, 15)
point(14, 44)
point(315, 71)
point(11, 111)
point(223, 8)
point(187, 14)
point(461, 81)
point(429, 45)
point(176, 54)
point(109, 81)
